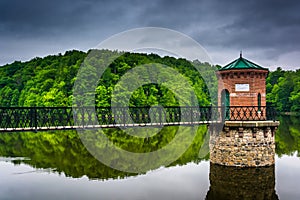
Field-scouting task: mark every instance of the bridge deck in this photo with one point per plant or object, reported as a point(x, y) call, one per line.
point(108, 126)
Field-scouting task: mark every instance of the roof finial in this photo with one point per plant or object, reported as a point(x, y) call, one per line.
point(241, 53)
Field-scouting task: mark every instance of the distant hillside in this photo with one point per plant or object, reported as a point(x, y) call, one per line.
point(283, 90)
point(49, 81)
point(44, 81)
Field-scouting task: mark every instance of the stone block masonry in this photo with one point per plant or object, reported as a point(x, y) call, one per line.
point(244, 144)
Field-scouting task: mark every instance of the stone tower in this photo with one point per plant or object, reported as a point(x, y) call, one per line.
point(248, 137)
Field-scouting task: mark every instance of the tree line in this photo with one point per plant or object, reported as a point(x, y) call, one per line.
point(283, 90)
point(49, 81)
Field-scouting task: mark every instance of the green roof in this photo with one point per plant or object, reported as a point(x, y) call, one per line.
point(242, 63)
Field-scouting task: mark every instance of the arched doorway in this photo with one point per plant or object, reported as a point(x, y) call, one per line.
point(225, 103)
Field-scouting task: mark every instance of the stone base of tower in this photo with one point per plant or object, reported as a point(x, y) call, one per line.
point(244, 144)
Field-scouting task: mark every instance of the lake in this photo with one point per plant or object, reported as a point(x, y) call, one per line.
point(56, 165)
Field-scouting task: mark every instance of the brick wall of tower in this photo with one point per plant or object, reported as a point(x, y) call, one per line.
point(256, 79)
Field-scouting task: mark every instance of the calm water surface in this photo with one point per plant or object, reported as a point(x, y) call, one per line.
point(55, 165)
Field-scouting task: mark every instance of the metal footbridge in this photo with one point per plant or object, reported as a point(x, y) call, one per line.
point(14, 119)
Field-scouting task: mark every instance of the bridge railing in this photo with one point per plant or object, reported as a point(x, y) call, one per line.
point(35, 118)
point(155, 115)
point(248, 113)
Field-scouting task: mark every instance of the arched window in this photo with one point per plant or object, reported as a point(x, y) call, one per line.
point(259, 102)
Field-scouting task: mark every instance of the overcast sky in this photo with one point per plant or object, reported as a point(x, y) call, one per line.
point(268, 32)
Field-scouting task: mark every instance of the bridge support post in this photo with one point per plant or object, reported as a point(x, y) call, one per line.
point(35, 119)
point(244, 144)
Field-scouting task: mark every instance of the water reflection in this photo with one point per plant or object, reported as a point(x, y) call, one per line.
point(63, 152)
point(288, 136)
point(241, 183)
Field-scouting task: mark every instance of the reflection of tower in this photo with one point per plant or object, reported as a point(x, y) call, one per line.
point(241, 183)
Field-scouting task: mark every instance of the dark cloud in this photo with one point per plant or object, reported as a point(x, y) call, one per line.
point(267, 23)
point(231, 23)
point(234, 25)
point(268, 30)
point(50, 17)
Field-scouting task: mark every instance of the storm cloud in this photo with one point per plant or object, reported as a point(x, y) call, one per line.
point(267, 30)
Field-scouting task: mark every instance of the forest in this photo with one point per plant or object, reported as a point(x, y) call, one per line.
point(283, 90)
point(49, 81)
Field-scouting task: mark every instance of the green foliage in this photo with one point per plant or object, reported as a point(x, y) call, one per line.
point(49, 81)
point(283, 90)
point(152, 93)
point(41, 81)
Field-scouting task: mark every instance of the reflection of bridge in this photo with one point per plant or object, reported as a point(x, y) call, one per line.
point(56, 118)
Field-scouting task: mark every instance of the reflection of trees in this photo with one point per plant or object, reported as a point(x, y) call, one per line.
point(288, 136)
point(241, 183)
point(64, 152)
point(59, 150)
